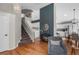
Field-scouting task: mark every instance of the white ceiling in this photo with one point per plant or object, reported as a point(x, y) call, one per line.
point(64, 11)
point(33, 6)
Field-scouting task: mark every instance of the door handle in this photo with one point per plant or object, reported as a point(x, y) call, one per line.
point(6, 34)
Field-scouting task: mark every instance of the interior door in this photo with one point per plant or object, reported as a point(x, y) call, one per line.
point(4, 31)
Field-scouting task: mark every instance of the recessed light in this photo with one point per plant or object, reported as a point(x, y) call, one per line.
point(65, 15)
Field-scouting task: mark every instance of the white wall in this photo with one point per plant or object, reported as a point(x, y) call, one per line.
point(15, 23)
point(17, 11)
point(37, 31)
point(36, 14)
point(54, 19)
point(6, 7)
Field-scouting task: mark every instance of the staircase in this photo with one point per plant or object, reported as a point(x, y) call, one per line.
point(25, 37)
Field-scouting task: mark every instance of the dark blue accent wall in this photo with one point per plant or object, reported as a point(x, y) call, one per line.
point(47, 17)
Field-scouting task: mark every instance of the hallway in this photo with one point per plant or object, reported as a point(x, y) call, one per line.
point(27, 47)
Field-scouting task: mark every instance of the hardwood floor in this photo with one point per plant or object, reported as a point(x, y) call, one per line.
point(27, 47)
point(70, 49)
point(37, 48)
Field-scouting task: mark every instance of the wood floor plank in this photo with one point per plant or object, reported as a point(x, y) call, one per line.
point(37, 48)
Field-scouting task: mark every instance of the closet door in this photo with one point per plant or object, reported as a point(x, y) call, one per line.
point(4, 31)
